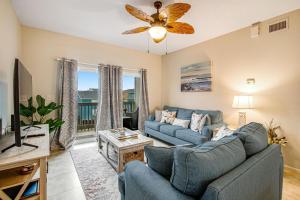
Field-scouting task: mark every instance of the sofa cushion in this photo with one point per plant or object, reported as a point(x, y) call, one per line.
point(191, 136)
point(185, 114)
point(160, 159)
point(169, 129)
point(153, 125)
point(195, 168)
point(253, 136)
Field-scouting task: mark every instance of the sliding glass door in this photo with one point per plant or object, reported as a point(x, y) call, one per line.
point(131, 89)
point(87, 101)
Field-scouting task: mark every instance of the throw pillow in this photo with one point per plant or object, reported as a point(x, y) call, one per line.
point(204, 120)
point(167, 117)
point(181, 122)
point(160, 159)
point(158, 115)
point(195, 121)
point(195, 168)
point(222, 132)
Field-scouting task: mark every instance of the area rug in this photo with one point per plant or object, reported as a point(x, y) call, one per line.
point(98, 179)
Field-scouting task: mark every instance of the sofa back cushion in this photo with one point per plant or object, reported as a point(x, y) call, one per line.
point(253, 136)
point(160, 159)
point(216, 116)
point(195, 168)
point(185, 114)
point(170, 108)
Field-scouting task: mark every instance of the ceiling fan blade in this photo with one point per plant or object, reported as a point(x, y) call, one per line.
point(138, 13)
point(137, 30)
point(174, 11)
point(180, 28)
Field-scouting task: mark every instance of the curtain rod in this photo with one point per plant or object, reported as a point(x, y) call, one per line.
point(94, 65)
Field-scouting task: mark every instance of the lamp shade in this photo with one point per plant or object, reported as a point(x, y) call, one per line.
point(242, 102)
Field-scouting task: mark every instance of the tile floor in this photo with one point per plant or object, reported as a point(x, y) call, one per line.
point(63, 182)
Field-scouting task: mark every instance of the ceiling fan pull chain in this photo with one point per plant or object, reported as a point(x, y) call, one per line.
point(166, 46)
point(148, 44)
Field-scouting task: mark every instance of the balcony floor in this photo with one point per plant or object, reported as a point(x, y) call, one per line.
point(84, 134)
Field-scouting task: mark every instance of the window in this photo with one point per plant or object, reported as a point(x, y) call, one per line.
point(131, 83)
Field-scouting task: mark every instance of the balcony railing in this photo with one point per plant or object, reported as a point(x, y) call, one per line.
point(87, 116)
point(129, 106)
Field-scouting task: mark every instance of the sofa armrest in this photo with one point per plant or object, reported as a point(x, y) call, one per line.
point(151, 117)
point(249, 181)
point(141, 182)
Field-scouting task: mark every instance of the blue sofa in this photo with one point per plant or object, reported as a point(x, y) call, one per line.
point(239, 167)
point(178, 135)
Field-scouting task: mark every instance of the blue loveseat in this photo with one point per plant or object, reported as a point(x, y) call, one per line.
point(178, 135)
point(238, 167)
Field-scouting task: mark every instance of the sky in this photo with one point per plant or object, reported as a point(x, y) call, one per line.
point(87, 80)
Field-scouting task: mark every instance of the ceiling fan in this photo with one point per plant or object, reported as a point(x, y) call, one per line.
point(162, 21)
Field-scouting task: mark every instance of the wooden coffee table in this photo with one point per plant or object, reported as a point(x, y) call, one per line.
point(119, 152)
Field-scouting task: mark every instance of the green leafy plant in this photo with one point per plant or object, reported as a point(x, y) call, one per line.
point(40, 114)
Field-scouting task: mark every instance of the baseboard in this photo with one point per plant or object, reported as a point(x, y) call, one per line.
point(292, 168)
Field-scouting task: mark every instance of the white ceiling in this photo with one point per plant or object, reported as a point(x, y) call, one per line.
point(105, 20)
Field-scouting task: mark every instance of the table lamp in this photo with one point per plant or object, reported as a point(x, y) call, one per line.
point(242, 102)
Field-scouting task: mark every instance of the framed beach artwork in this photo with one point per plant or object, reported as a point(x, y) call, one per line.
point(196, 77)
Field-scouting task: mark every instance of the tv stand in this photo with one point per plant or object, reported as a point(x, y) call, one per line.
point(12, 160)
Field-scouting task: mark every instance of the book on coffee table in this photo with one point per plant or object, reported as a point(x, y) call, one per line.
point(122, 134)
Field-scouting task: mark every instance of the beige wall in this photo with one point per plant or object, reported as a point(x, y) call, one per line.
point(10, 48)
point(40, 48)
point(272, 59)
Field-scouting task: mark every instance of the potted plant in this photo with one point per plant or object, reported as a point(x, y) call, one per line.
point(33, 115)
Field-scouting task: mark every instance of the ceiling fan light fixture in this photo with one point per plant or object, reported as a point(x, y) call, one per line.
point(157, 32)
point(161, 22)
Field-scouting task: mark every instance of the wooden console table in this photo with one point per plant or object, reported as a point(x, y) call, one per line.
point(13, 159)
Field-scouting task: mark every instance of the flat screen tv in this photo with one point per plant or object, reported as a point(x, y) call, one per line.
point(22, 90)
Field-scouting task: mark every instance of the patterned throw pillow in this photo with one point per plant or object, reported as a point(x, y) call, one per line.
point(222, 132)
point(158, 115)
point(195, 121)
point(204, 119)
point(167, 117)
point(181, 122)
